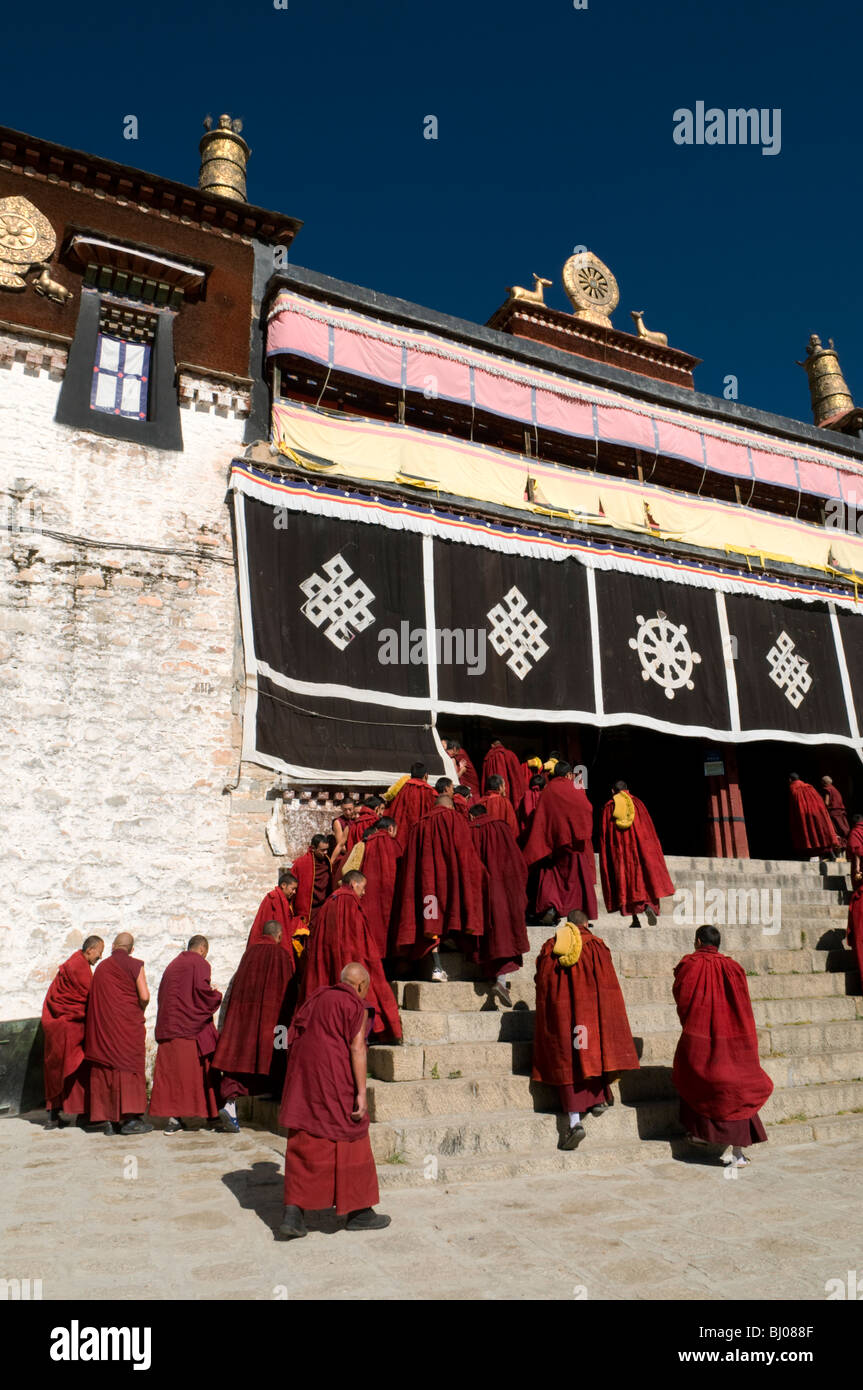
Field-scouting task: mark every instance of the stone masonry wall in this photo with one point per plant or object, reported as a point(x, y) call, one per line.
point(121, 680)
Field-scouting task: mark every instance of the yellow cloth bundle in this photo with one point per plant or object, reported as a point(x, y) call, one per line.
point(624, 810)
point(567, 943)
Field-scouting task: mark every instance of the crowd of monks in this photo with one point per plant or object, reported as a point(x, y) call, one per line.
point(407, 875)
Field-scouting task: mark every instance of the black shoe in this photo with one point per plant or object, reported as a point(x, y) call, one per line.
point(501, 992)
point(174, 1126)
point(635, 922)
point(293, 1224)
point(548, 918)
point(599, 1109)
point(105, 1127)
point(56, 1121)
point(651, 916)
point(136, 1126)
point(573, 1137)
point(367, 1219)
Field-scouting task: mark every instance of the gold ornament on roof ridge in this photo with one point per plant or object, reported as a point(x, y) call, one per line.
point(591, 288)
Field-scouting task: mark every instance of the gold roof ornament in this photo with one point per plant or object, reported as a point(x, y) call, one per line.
point(591, 288)
point(224, 159)
point(533, 296)
point(827, 387)
point(26, 239)
point(637, 316)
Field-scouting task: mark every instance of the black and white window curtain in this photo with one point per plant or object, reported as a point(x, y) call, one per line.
point(364, 621)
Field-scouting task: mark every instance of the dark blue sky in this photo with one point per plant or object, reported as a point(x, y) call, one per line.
point(555, 130)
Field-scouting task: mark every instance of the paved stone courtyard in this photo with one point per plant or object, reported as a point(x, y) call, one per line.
point(191, 1216)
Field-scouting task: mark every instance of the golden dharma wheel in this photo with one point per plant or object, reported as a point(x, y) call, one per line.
point(591, 288)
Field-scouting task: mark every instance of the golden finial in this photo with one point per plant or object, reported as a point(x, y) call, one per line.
point(827, 386)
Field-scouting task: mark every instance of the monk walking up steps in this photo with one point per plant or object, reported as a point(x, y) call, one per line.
point(341, 935)
point(64, 1014)
point(312, 872)
point(328, 1159)
point(812, 830)
point(500, 950)
point(716, 1069)
point(183, 1085)
point(560, 845)
point(278, 906)
point(440, 888)
point(582, 1038)
point(631, 862)
point(114, 1041)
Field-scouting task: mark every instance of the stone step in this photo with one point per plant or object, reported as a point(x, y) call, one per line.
point(638, 964)
point(478, 1026)
point(418, 1063)
point(645, 1019)
point(475, 1094)
point(810, 1101)
point(596, 1154)
point(801, 1039)
point(507, 1130)
point(653, 1081)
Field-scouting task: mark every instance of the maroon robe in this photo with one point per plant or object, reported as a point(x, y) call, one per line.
point(363, 821)
point(328, 1160)
point(501, 948)
point(115, 1040)
point(187, 1037)
point(525, 810)
point(560, 844)
point(585, 996)
point(855, 906)
point(502, 762)
point(440, 889)
point(499, 807)
point(275, 908)
point(631, 863)
point(313, 886)
point(462, 805)
point(811, 826)
point(342, 935)
point(413, 801)
point(467, 776)
point(63, 1015)
point(259, 1003)
point(381, 854)
point(716, 1070)
point(837, 813)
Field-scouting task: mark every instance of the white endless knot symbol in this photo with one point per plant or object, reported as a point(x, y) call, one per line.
point(517, 632)
point(665, 654)
point(336, 601)
point(789, 670)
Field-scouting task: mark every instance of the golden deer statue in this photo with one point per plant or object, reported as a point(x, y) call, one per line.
point(533, 296)
point(52, 289)
point(638, 318)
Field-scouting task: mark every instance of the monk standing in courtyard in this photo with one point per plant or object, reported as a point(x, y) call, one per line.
point(328, 1159)
point(114, 1041)
point(64, 1014)
point(631, 862)
point(560, 844)
point(716, 1070)
point(582, 1038)
point(812, 830)
point(183, 1086)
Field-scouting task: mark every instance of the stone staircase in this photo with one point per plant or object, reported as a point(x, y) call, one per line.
point(455, 1102)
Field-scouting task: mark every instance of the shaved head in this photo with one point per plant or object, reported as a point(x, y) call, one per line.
point(199, 944)
point(273, 929)
point(91, 942)
point(357, 977)
point(123, 942)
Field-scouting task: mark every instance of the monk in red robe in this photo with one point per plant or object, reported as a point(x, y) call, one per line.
point(63, 1016)
point(527, 806)
point(631, 863)
point(467, 774)
point(835, 809)
point(716, 1070)
point(250, 1053)
point(812, 830)
point(364, 816)
point(312, 872)
point(183, 1084)
point(342, 934)
point(500, 951)
point(582, 1039)
point(277, 906)
point(414, 799)
point(855, 906)
point(560, 843)
point(114, 1041)
point(440, 889)
point(328, 1159)
point(502, 762)
point(462, 798)
point(377, 857)
point(498, 804)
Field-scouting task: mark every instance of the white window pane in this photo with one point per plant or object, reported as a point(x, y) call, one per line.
point(131, 398)
point(109, 354)
point(106, 391)
point(134, 365)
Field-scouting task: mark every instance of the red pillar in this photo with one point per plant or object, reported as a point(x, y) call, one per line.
point(727, 837)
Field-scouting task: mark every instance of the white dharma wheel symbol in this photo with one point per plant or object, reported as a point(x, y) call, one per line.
point(665, 654)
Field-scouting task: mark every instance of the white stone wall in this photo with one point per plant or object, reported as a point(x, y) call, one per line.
point(120, 708)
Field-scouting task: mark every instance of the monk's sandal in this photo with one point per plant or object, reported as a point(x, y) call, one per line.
point(573, 1137)
point(293, 1224)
